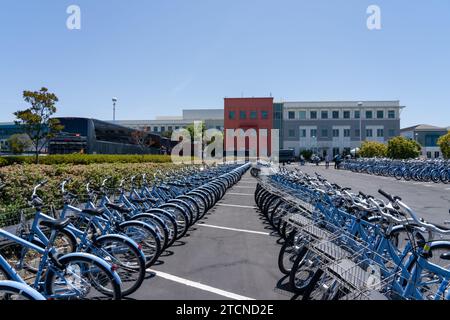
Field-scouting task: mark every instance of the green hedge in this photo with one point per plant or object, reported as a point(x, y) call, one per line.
point(19, 181)
point(85, 159)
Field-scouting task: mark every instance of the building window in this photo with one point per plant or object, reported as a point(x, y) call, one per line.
point(346, 114)
point(277, 115)
point(155, 129)
point(169, 129)
point(264, 115)
point(391, 132)
point(346, 133)
point(357, 133)
point(177, 127)
point(163, 129)
point(302, 133)
point(335, 133)
point(380, 114)
point(291, 133)
point(324, 114)
point(253, 115)
point(357, 114)
point(313, 115)
point(369, 133)
point(231, 115)
point(291, 115)
point(391, 114)
point(429, 154)
point(302, 115)
point(380, 133)
point(313, 133)
point(243, 115)
point(335, 114)
point(324, 133)
point(437, 154)
point(369, 114)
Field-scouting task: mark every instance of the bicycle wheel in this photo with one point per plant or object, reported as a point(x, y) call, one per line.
point(145, 237)
point(126, 259)
point(303, 270)
point(181, 218)
point(287, 255)
point(169, 221)
point(80, 276)
point(14, 291)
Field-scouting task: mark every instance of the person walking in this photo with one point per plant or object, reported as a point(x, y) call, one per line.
point(327, 161)
point(337, 161)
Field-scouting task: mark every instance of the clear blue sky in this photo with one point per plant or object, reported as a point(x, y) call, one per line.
point(160, 56)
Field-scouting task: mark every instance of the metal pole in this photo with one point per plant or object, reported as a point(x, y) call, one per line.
point(114, 111)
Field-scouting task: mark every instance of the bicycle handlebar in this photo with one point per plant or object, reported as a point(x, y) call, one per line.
point(39, 185)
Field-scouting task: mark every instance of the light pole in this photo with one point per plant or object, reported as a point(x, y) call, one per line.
point(114, 100)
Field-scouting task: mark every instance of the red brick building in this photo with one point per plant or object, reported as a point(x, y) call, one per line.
point(249, 113)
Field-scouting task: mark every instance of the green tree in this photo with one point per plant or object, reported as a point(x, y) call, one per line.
point(19, 143)
point(307, 154)
point(403, 148)
point(36, 120)
point(371, 149)
point(444, 144)
point(201, 128)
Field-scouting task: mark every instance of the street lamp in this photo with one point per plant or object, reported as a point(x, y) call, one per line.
point(114, 100)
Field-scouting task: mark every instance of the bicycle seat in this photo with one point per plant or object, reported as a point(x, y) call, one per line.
point(94, 212)
point(445, 256)
point(56, 224)
point(119, 208)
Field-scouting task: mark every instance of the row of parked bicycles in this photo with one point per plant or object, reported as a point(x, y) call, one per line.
point(341, 245)
point(100, 244)
point(437, 171)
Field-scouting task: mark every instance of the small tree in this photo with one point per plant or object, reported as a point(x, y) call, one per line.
point(36, 121)
point(444, 144)
point(307, 154)
point(140, 137)
point(403, 148)
point(371, 149)
point(19, 143)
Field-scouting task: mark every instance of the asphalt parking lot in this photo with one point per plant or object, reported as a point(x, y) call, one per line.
point(231, 254)
point(430, 200)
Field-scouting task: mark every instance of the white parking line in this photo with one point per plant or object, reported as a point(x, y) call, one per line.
point(447, 189)
point(244, 187)
point(428, 185)
point(233, 229)
point(241, 194)
point(200, 286)
point(235, 206)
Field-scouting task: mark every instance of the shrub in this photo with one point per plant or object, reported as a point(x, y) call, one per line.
point(19, 181)
point(78, 159)
point(403, 148)
point(444, 144)
point(307, 154)
point(371, 149)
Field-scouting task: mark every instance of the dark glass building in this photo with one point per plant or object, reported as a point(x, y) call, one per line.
point(91, 136)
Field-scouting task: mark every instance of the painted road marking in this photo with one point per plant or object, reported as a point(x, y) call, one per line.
point(235, 206)
point(199, 285)
point(241, 194)
point(244, 187)
point(234, 229)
